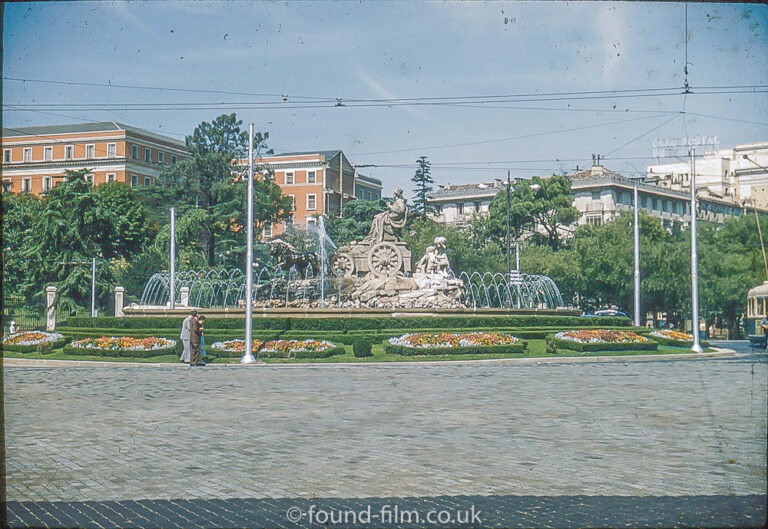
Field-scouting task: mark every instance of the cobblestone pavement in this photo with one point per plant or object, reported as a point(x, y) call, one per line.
point(674, 428)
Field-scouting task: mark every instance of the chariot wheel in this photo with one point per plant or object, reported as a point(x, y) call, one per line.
point(385, 259)
point(344, 263)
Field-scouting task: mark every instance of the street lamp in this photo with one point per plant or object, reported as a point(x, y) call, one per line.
point(694, 260)
point(510, 190)
point(637, 262)
point(248, 355)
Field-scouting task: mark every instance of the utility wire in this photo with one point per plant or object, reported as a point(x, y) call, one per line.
point(498, 140)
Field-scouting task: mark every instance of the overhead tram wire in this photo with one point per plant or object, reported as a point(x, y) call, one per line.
point(499, 140)
point(265, 105)
point(319, 102)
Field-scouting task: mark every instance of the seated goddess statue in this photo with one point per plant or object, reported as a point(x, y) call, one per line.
point(386, 225)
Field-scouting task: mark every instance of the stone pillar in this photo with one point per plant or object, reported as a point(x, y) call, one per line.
point(50, 317)
point(119, 300)
point(184, 295)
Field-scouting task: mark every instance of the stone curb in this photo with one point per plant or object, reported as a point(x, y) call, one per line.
point(42, 362)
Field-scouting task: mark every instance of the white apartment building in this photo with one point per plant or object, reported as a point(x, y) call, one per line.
point(739, 174)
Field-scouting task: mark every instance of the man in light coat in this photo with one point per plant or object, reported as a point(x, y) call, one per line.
point(186, 336)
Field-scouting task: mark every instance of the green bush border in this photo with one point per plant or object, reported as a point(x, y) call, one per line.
point(304, 354)
point(675, 343)
point(119, 353)
point(518, 347)
point(354, 324)
point(591, 347)
point(33, 348)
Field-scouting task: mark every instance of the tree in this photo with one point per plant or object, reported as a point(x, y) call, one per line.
point(423, 181)
point(213, 147)
point(20, 210)
point(355, 221)
point(122, 225)
point(65, 236)
point(544, 211)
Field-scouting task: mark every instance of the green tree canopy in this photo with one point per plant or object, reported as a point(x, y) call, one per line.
point(422, 179)
point(540, 206)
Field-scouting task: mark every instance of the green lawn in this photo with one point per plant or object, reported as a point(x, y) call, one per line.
point(535, 350)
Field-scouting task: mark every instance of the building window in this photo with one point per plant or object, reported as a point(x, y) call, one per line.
point(7, 185)
point(160, 157)
point(46, 183)
point(7, 156)
point(311, 221)
point(26, 185)
point(135, 152)
point(90, 151)
point(111, 150)
point(134, 180)
point(111, 177)
point(27, 155)
point(293, 202)
point(147, 154)
point(594, 221)
point(48, 154)
point(173, 158)
point(89, 178)
point(288, 178)
point(595, 195)
point(147, 181)
point(267, 231)
point(311, 202)
point(69, 152)
point(311, 177)
point(643, 202)
point(460, 208)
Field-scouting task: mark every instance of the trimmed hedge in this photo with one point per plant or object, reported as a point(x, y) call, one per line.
point(304, 354)
point(112, 353)
point(361, 348)
point(11, 348)
point(516, 348)
point(352, 324)
point(675, 343)
point(591, 347)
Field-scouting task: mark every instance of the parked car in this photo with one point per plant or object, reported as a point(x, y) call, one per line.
point(605, 312)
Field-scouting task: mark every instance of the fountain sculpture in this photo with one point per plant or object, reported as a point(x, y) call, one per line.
point(375, 272)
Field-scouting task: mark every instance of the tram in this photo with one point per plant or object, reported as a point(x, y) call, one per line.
point(757, 308)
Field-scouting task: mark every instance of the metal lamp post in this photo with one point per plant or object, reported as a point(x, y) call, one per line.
point(510, 190)
point(637, 262)
point(93, 288)
point(694, 260)
point(172, 282)
point(248, 357)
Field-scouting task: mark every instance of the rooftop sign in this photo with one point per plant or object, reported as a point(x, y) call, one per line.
point(672, 147)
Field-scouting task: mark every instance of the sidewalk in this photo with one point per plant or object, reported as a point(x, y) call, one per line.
point(42, 362)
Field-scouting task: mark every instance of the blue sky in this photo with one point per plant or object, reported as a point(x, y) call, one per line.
point(316, 52)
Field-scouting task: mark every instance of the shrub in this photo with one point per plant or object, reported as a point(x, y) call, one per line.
point(587, 347)
point(45, 348)
point(356, 324)
point(362, 348)
point(303, 354)
point(515, 348)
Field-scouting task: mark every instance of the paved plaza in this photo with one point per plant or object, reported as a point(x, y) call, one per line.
point(556, 441)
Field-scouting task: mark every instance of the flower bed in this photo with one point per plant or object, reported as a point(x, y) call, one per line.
point(279, 348)
point(454, 343)
point(121, 346)
point(674, 338)
point(601, 340)
point(29, 341)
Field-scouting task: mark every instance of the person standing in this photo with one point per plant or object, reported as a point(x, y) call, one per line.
point(185, 336)
point(201, 321)
point(194, 341)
